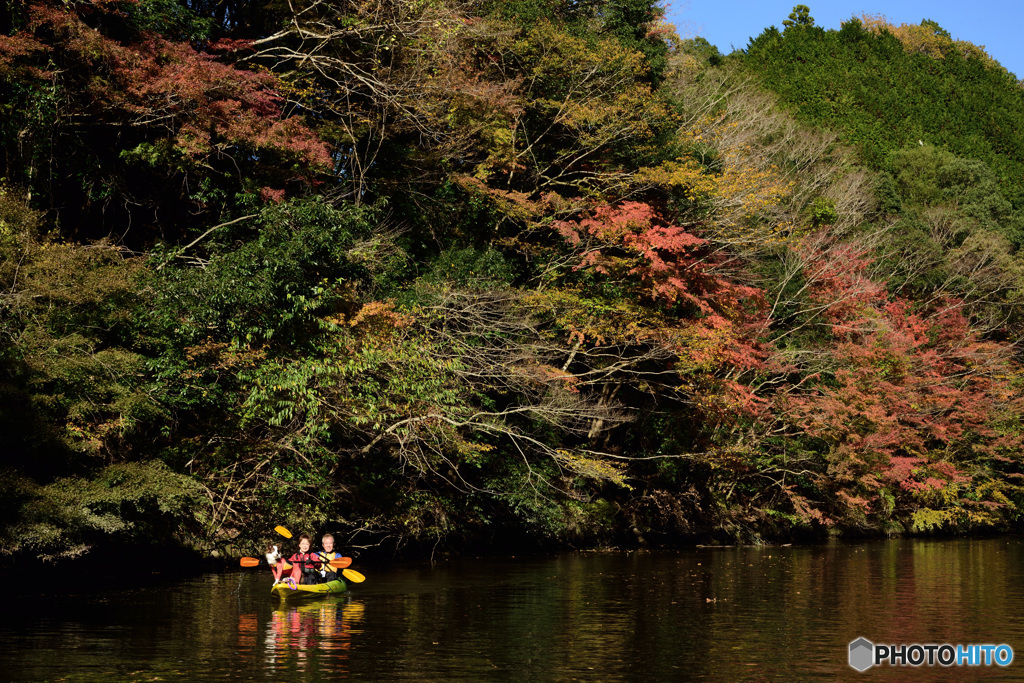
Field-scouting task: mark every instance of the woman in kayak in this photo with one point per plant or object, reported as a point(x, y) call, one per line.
point(305, 565)
point(328, 554)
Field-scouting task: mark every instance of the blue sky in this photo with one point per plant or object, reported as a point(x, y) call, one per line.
point(731, 23)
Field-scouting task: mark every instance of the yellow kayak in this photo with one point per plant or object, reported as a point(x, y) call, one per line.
point(284, 590)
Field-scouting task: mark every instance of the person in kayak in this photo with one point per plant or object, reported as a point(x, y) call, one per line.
point(305, 565)
point(328, 554)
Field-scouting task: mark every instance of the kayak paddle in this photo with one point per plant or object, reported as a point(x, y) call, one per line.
point(253, 562)
point(284, 532)
point(337, 562)
point(353, 575)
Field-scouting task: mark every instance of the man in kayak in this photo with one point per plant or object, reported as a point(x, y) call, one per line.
point(328, 554)
point(305, 565)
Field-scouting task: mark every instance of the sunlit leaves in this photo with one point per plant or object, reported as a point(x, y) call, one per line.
point(904, 404)
point(926, 38)
point(631, 241)
point(583, 106)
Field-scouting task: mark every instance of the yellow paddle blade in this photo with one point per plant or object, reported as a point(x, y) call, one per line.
point(250, 562)
point(353, 576)
point(284, 532)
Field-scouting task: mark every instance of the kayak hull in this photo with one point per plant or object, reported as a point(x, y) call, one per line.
point(284, 591)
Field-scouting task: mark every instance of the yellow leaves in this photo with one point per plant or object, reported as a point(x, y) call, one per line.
point(603, 64)
point(927, 39)
point(211, 355)
point(500, 142)
point(734, 189)
point(735, 203)
point(576, 100)
point(375, 323)
point(470, 451)
point(687, 67)
point(591, 467)
point(681, 174)
point(591, 321)
point(927, 519)
point(378, 314)
point(77, 275)
point(513, 204)
point(598, 118)
point(699, 348)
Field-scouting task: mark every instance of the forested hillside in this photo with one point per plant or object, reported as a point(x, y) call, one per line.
point(431, 275)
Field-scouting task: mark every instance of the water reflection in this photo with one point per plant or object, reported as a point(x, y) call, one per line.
point(297, 634)
point(711, 614)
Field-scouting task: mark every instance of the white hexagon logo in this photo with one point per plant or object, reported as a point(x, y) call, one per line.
point(862, 653)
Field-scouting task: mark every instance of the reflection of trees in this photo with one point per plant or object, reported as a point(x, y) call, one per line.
point(754, 613)
point(759, 613)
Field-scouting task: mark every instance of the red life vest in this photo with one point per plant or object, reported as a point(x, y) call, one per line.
point(307, 562)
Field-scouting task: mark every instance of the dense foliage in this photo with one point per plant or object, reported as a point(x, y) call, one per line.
point(887, 88)
point(424, 273)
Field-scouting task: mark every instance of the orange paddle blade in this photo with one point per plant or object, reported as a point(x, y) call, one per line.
point(340, 563)
point(250, 562)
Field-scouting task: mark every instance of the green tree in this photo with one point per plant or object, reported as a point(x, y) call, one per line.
point(800, 16)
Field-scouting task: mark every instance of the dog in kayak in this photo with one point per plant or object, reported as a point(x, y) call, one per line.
point(277, 565)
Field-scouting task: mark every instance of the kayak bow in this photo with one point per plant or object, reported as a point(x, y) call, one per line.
point(284, 591)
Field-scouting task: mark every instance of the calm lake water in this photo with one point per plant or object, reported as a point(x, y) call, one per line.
point(764, 613)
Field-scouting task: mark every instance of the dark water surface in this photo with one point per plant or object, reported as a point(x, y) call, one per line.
point(764, 613)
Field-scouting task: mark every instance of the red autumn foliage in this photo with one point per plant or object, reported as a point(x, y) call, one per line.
point(230, 45)
point(907, 400)
point(162, 90)
point(718, 319)
point(271, 196)
point(838, 271)
point(13, 49)
point(207, 104)
point(668, 262)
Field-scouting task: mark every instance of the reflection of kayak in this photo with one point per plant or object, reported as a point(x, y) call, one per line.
point(283, 590)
